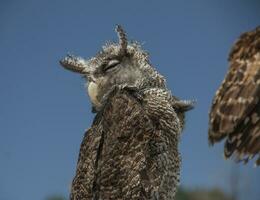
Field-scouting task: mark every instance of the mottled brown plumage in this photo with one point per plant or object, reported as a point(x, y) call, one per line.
point(131, 149)
point(235, 112)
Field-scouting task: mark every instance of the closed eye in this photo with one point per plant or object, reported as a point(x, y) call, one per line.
point(111, 64)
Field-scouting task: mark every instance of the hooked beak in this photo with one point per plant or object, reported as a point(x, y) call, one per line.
point(75, 64)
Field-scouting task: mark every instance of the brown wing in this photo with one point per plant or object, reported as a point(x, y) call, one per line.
point(235, 110)
point(130, 153)
point(82, 185)
point(139, 158)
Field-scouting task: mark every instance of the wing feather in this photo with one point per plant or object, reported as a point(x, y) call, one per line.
point(129, 153)
point(235, 109)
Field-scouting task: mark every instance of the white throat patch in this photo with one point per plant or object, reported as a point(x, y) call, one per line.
point(93, 92)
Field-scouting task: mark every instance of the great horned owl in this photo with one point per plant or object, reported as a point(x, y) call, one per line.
point(131, 149)
point(235, 112)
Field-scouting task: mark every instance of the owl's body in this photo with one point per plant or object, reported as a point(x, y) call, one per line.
point(235, 112)
point(131, 149)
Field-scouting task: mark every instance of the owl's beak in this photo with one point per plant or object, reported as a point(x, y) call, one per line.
point(75, 64)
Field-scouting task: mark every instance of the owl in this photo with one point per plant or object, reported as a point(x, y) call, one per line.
point(235, 111)
point(131, 149)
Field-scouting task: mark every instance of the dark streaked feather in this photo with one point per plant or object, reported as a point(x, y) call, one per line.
point(237, 100)
point(126, 155)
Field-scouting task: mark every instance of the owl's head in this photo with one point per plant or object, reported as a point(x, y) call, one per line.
point(121, 63)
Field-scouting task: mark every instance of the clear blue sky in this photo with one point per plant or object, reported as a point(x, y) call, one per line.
point(44, 109)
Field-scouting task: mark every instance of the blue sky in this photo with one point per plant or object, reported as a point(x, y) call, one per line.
point(44, 109)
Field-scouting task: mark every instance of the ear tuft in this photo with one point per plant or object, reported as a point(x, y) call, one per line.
point(122, 40)
point(184, 105)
